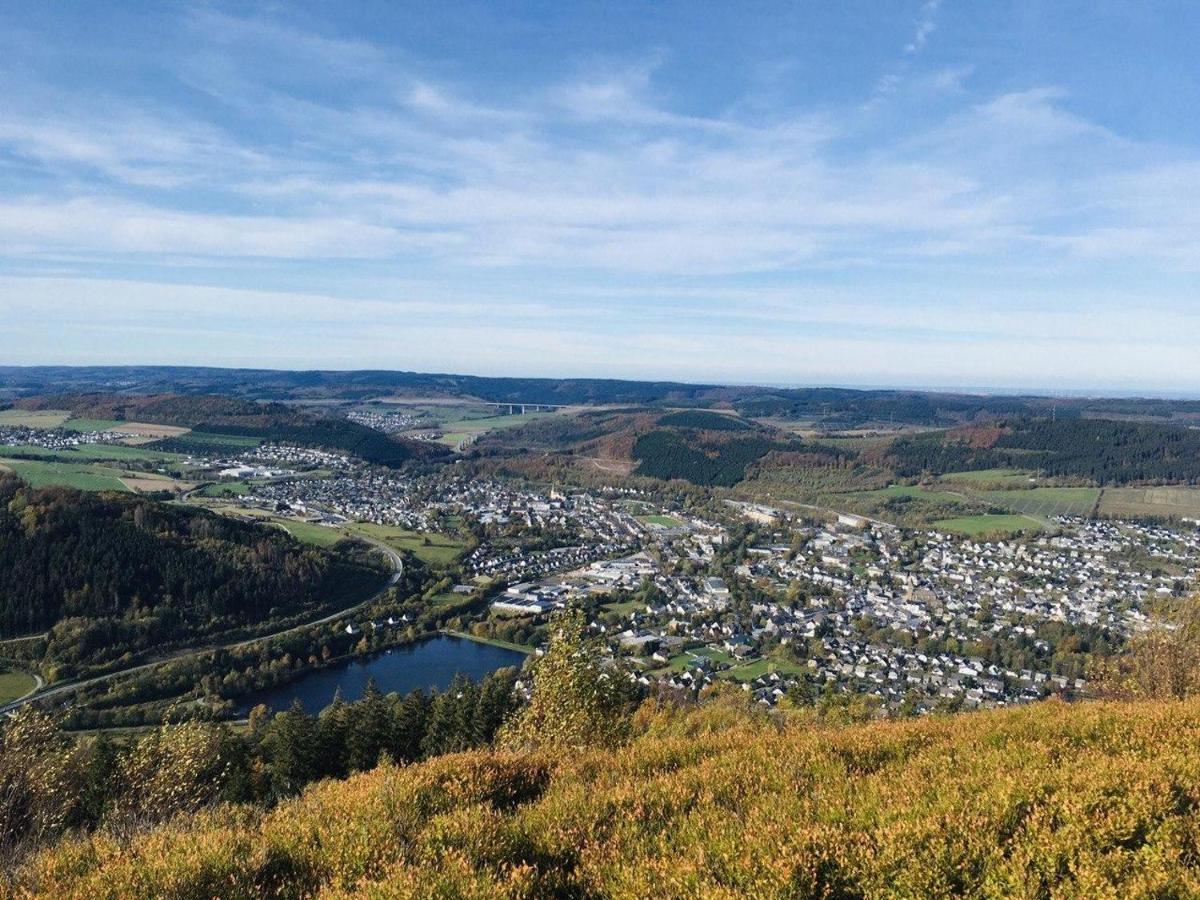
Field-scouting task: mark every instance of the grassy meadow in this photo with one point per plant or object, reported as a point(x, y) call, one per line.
point(440, 551)
point(14, 684)
point(34, 418)
point(975, 526)
point(84, 477)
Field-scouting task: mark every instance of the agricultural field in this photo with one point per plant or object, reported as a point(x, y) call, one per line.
point(1133, 502)
point(974, 526)
point(467, 430)
point(306, 532)
point(92, 424)
point(1045, 502)
point(914, 492)
point(90, 476)
point(440, 551)
point(97, 452)
point(14, 684)
point(150, 482)
point(84, 477)
point(34, 418)
point(1005, 477)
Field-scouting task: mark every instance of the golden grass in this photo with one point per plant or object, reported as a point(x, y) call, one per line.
point(1050, 800)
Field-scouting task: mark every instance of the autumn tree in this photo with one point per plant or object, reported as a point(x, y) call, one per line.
point(580, 697)
point(1160, 663)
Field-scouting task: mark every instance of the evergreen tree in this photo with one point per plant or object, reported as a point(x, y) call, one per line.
point(408, 726)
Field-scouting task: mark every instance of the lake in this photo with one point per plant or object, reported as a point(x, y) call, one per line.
point(427, 664)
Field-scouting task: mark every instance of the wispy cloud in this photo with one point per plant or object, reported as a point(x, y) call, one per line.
point(293, 145)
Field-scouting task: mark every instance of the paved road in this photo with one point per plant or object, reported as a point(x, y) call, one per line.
point(69, 687)
point(24, 637)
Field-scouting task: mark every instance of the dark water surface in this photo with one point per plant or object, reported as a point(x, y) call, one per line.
point(431, 663)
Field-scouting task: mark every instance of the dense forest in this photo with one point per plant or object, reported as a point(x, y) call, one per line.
point(720, 463)
point(668, 454)
point(1102, 451)
point(111, 573)
point(705, 421)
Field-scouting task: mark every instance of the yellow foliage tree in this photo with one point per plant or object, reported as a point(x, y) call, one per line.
point(579, 697)
point(1160, 663)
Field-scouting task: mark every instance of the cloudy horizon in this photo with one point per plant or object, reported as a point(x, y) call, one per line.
point(936, 195)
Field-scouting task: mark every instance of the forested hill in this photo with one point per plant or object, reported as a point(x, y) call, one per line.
point(1100, 451)
point(112, 573)
point(833, 405)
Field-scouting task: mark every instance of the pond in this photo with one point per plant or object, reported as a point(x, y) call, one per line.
point(431, 663)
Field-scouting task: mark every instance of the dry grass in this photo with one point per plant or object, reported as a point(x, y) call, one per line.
point(1088, 800)
point(1131, 502)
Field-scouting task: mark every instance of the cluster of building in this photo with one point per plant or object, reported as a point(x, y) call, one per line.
point(363, 494)
point(387, 422)
point(300, 457)
point(848, 607)
point(863, 608)
point(55, 438)
point(584, 527)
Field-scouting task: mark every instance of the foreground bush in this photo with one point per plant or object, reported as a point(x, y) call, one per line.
point(1087, 800)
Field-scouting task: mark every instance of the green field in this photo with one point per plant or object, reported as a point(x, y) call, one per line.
point(14, 684)
point(919, 493)
point(625, 607)
point(664, 521)
point(978, 525)
point(91, 424)
point(84, 477)
point(82, 452)
point(751, 670)
point(226, 489)
point(441, 550)
point(38, 418)
point(317, 535)
point(469, 429)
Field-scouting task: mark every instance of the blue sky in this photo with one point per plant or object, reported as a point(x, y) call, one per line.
point(1001, 194)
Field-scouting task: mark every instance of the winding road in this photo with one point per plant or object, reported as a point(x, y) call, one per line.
point(68, 687)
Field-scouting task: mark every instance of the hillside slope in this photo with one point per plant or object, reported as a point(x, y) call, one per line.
point(1050, 800)
point(109, 573)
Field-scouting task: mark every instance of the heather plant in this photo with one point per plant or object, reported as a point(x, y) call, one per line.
point(1050, 800)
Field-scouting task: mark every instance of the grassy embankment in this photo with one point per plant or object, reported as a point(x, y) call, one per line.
point(14, 684)
point(1095, 800)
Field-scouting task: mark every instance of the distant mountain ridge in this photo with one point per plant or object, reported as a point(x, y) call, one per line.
point(841, 406)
